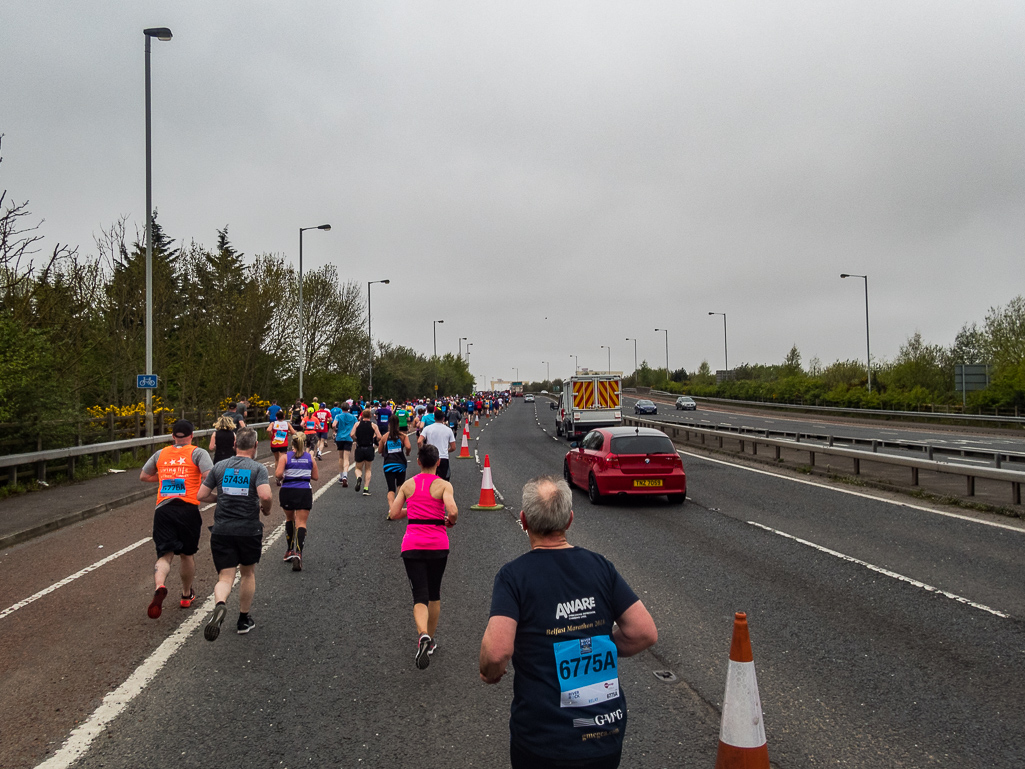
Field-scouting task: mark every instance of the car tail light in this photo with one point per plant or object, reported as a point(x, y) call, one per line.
point(612, 460)
point(677, 461)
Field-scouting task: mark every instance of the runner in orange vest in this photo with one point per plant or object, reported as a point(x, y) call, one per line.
point(180, 470)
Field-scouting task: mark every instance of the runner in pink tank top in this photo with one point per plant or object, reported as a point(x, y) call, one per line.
point(431, 510)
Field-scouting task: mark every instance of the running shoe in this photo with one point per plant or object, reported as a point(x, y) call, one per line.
point(289, 555)
point(318, 455)
point(432, 648)
point(213, 627)
point(297, 561)
point(157, 604)
point(357, 485)
point(366, 491)
point(245, 625)
point(345, 482)
point(186, 600)
point(423, 659)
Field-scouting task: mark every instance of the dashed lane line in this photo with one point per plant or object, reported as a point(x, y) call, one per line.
point(884, 572)
point(115, 702)
point(855, 493)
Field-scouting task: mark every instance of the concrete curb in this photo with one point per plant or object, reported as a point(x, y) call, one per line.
point(71, 518)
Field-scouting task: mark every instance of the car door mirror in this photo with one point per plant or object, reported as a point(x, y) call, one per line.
point(551, 405)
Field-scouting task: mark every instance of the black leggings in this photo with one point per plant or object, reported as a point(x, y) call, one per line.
point(425, 577)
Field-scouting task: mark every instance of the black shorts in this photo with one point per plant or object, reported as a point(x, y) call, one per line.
point(395, 480)
point(443, 469)
point(230, 551)
point(343, 445)
point(278, 449)
point(363, 454)
point(176, 528)
point(296, 499)
point(523, 759)
point(425, 576)
point(322, 436)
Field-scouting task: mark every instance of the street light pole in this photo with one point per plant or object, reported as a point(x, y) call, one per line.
point(631, 339)
point(302, 307)
point(548, 376)
point(370, 335)
point(606, 347)
point(468, 346)
point(161, 33)
point(436, 337)
point(868, 344)
point(667, 350)
point(576, 364)
point(461, 340)
point(725, 342)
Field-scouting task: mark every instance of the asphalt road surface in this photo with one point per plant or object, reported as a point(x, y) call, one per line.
point(885, 634)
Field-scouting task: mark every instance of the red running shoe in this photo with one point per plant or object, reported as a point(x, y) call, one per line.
point(157, 604)
point(186, 600)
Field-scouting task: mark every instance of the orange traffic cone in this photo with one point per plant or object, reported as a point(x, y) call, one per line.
point(742, 735)
point(464, 450)
point(476, 419)
point(487, 490)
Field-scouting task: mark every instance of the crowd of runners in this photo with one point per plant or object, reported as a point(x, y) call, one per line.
point(562, 615)
point(239, 487)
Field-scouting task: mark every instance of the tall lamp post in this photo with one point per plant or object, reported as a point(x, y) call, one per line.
point(725, 342)
point(461, 340)
point(370, 334)
point(548, 375)
point(631, 339)
point(576, 364)
point(606, 347)
point(868, 344)
point(302, 307)
point(160, 33)
point(436, 337)
point(667, 349)
point(468, 346)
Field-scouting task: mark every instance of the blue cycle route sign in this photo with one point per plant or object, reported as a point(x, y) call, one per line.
point(146, 381)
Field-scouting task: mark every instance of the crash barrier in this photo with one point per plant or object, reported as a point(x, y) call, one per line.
point(683, 433)
point(840, 411)
point(17, 464)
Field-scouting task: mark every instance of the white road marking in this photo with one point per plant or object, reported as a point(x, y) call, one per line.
point(72, 578)
point(857, 493)
point(885, 572)
point(115, 702)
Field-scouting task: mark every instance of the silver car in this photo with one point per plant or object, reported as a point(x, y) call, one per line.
point(686, 403)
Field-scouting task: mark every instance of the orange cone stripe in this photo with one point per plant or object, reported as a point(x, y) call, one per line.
point(742, 743)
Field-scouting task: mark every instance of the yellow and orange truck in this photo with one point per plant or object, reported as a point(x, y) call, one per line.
point(589, 400)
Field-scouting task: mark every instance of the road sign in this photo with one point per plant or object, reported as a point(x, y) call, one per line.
point(971, 377)
point(146, 381)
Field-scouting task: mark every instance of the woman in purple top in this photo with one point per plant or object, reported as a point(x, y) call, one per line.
point(431, 510)
point(294, 472)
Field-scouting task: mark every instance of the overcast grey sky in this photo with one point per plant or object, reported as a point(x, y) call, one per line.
point(612, 167)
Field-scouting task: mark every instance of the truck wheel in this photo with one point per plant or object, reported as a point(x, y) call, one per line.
point(676, 499)
point(592, 491)
point(558, 428)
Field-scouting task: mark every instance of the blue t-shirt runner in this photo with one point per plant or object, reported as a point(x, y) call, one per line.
point(567, 700)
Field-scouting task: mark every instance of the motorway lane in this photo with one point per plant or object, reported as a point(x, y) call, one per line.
point(855, 668)
point(946, 437)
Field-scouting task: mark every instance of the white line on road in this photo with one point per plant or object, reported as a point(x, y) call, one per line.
point(116, 701)
point(72, 578)
point(855, 493)
point(885, 572)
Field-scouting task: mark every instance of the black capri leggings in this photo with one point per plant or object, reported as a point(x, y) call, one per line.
point(395, 480)
point(425, 577)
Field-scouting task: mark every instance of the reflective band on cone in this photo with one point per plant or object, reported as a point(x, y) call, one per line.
point(464, 450)
point(476, 419)
point(742, 742)
point(487, 490)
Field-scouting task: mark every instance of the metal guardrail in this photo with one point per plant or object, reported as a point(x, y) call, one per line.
point(919, 415)
point(71, 453)
point(969, 472)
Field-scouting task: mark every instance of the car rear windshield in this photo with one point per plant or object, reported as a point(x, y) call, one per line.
point(645, 403)
point(642, 444)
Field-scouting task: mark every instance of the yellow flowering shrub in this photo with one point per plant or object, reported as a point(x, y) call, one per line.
point(135, 409)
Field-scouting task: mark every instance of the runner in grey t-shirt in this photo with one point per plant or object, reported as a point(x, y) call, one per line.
point(242, 488)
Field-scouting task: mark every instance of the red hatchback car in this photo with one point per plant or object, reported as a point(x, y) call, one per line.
point(626, 460)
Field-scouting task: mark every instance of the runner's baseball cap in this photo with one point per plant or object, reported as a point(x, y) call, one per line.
point(182, 428)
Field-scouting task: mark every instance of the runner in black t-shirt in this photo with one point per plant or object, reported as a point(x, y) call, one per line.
point(552, 614)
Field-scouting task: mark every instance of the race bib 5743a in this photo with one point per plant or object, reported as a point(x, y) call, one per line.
point(588, 671)
point(236, 482)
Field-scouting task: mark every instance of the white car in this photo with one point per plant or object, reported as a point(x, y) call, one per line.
point(528, 398)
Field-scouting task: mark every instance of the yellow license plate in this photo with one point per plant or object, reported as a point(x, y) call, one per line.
point(648, 483)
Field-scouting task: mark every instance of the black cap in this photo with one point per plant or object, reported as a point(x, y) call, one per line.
point(182, 428)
